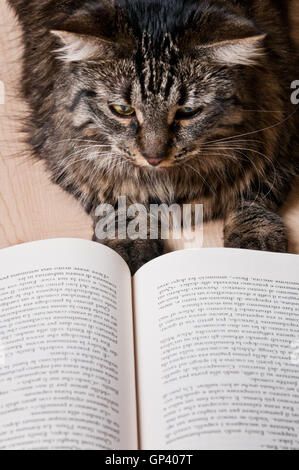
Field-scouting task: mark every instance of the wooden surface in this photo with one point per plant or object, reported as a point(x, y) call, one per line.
point(31, 207)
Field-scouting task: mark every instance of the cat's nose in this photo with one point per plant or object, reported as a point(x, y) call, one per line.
point(153, 160)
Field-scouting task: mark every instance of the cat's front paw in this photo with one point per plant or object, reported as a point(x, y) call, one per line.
point(136, 253)
point(252, 227)
point(270, 242)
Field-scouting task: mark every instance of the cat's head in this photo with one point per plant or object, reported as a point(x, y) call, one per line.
point(150, 81)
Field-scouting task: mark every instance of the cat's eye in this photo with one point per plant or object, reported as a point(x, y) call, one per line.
point(122, 110)
point(187, 113)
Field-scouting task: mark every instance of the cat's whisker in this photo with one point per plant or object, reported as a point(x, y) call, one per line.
point(201, 177)
point(84, 150)
point(231, 144)
point(224, 146)
point(111, 164)
point(72, 139)
point(257, 171)
point(65, 168)
point(260, 172)
point(108, 172)
point(255, 151)
point(259, 130)
point(208, 154)
point(98, 169)
point(274, 170)
point(244, 149)
point(85, 158)
point(236, 140)
point(229, 148)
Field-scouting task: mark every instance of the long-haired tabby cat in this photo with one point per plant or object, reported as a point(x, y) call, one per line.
point(166, 101)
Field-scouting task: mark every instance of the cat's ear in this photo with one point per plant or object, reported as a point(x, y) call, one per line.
point(243, 51)
point(226, 39)
point(94, 32)
point(80, 47)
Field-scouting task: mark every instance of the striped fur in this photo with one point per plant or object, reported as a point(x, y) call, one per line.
point(233, 60)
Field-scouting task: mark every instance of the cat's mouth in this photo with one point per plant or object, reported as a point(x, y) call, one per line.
point(154, 161)
point(173, 158)
point(171, 161)
point(161, 163)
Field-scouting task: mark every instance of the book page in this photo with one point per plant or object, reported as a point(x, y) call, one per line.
point(218, 350)
point(67, 378)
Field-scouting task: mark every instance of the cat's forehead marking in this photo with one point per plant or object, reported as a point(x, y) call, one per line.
point(157, 67)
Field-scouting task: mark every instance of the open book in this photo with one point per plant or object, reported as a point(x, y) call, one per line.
point(199, 351)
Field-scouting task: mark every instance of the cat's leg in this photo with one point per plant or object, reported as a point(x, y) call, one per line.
point(253, 226)
point(138, 247)
point(136, 253)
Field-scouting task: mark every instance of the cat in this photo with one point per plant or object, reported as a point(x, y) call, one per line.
point(166, 101)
